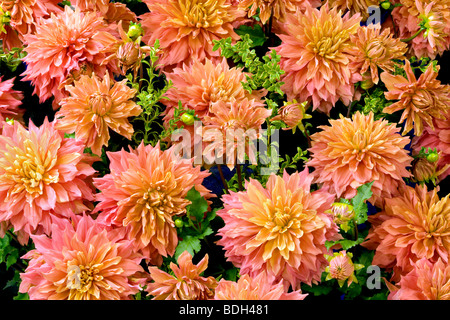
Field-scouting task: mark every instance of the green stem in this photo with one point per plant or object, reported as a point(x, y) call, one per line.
point(413, 36)
point(239, 174)
point(224, 182)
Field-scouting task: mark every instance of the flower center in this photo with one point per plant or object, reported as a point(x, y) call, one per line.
point(202, 13)
point(360, 141)
point(82, 277)
point(376, 49)
point(422, 99)
point(100, 103)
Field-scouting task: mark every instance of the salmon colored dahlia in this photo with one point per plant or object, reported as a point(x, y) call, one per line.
point(355, 6)
point(93, 107)
point(22, 16)
point(437, 137)
point(376, 48)
point(280, 229)
point(257, 288)
point(186, 28)
point(352, 152)
point(144, 191)
point(199, 85)
point(186, 283)
point(421, 99)
point(342, 268)
point(10, 100)
point(413, 225)
point(276, 8)
point(316, 57)
point(42, 175)
point(427, 281)
point(434, 15)
point(81, 261)
point(231, 129)
point(61, 44)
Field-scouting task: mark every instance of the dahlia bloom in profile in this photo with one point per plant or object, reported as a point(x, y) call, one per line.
point(354, 6)
point(280, 229)
point(186, 28)
point(93, 107)
point(341, 268)
point(376, 48)
point(10, 100)
point(292, 114)
point(427, 281)
point(426, 171)
point(412, 226)
point(186, 283)
point(352, 152)
point(437, 137)
point(316, 57)
point(230, 131)
point(81, 261)
point(431, 14)
point(276, 8)
point(42, 175)
point(421, 99)
point(144, 191)
point(61, 44)
point(257, 288)
point(342, 214)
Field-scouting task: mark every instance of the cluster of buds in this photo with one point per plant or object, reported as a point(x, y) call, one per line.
point(292, 114)
point(425, 166)
point(342, 268)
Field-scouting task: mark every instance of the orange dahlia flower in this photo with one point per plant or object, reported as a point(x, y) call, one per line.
point(186, 28)
point(413, 225)
point(427, 281)
point(434, 15)
point(257, 288)
point(354, 6)
point(420, 99)
point(352, 152)
point(316, 57)
point(61, 44)
point(42, 175)
point(376, 49)
point(93, 107)
point(81, 261)
point(437, 137)
point(276, 8)
point(230, 129)
point(10, 100)
point(280, 229)
point(145, 189)
point(186, 283)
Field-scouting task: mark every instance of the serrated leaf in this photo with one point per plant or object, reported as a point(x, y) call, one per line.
point(359, 202)
point(189, 244)
point(256, 34)
point(198, 205)
point(12, 258)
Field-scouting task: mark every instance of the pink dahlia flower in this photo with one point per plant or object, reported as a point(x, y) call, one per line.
point(60, 45)
point(10, 100)
point(439, 138)
point(352, 152)
point(186, 283)
point(257, 288)
point(186, 29)
point(81, 261)
point(280, 229)
point(413, 225)
point(316, 56)
point(427, 281)
point(146, 188)
point(42, 175)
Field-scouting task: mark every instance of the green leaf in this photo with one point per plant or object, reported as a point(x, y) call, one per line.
point(198, 205)
point(256, 34)
point(12, 258)
point(359, 202)
point(189, 244)
point(345, 243)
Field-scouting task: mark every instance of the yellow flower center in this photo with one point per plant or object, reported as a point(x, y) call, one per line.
point(202, 13)
point(100, 103)
point(376, 50)
point(29, 170)
point(82, 278)
point(360, 141)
